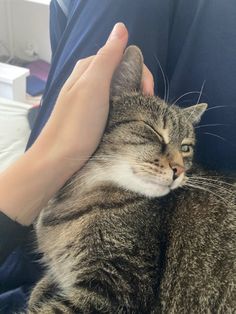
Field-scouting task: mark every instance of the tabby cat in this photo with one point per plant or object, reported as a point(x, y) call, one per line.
point(119, 237)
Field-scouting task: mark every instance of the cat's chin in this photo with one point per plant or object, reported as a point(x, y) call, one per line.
point(155, 190)
point(145, 187)
point(149, 187)
point(150, 190)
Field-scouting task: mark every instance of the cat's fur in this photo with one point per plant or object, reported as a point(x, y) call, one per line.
point(116, 241)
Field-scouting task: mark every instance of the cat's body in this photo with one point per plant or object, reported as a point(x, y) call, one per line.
point(114, 257)
point(113, 244)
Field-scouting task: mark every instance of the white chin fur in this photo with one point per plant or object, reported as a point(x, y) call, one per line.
point(123, 175)
point(178, 182)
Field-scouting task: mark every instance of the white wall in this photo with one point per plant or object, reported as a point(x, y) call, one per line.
point(3, 26)
point(29, 23)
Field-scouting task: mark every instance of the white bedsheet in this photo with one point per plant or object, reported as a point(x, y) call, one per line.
point(14, 130)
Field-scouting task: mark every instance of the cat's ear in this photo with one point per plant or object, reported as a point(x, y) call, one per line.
point(128, 75)
point(194, 113)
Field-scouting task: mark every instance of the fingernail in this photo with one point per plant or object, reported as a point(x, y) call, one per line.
point(118, 31)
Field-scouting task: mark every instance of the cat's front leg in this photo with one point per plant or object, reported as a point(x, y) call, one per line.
point(46, 298)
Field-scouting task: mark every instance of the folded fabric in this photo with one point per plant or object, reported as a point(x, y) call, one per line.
point(34, 85)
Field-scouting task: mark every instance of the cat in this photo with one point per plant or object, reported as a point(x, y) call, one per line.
point(129, 233)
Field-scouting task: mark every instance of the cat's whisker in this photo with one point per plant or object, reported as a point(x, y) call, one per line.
point(216, 181)
point(165, 81)
point(207, 190)
point(221, 184)
point(201, 91)
point(215, 107)
point(211, 179)
point(217, 188)
point(185, 94)
point(200, 95)
point(211, 176)
point(81, 177)
point(210, 125)
point(168, 89)
point(219, 137)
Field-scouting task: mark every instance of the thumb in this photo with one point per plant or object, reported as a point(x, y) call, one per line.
point(110, 55)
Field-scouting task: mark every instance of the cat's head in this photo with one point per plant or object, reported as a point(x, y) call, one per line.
point(148, 145)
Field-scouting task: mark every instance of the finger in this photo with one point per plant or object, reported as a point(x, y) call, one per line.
point(79, 69)
point(147, 83)
point(109, 56)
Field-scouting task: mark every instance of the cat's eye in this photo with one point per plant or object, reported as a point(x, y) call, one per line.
point(186, 148)
point(155, 131)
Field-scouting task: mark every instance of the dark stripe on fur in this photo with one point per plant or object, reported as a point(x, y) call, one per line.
point(117, 124)
point(148, 139)
point(56, 310)
point(52, 220)
point(102, 289)
point(133, 143)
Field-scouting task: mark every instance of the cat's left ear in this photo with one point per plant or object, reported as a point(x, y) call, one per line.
point(194, 113)
point(128, 75)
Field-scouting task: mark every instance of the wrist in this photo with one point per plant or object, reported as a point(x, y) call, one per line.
point(52, 166)
point(27, 185)
point(60, 149)
point(55, 159)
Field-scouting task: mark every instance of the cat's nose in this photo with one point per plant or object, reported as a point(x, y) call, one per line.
point(177, 170)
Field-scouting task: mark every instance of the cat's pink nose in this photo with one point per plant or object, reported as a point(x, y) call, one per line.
point(177, 170)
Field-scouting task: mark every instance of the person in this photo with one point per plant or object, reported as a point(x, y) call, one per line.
point(191, 42)
point(68, 139)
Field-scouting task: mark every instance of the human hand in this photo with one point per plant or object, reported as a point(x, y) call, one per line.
point(78, 120)
point(70, 136)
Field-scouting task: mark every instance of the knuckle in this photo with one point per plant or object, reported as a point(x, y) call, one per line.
point(83, 62)
point(78, 62)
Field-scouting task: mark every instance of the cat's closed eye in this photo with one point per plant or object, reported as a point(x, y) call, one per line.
point(158, 134)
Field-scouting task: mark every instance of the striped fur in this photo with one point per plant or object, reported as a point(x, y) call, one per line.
point(119, 237)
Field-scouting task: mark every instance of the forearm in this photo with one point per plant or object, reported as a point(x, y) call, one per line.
point(27, 185)
point(71, 134)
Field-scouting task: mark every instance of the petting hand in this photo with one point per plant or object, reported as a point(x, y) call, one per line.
point(77, 123)
point(70, 136)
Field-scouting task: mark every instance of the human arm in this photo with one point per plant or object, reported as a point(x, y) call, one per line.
point(63, 147)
